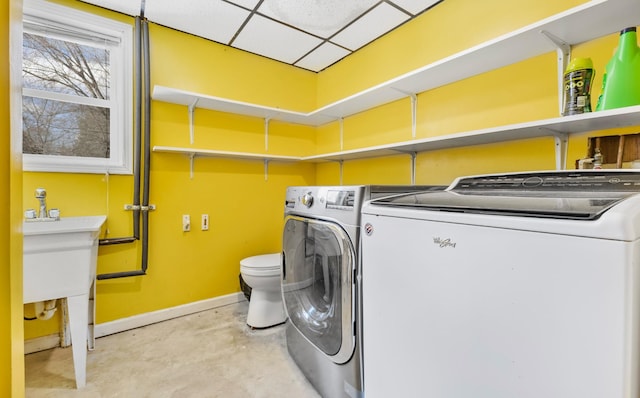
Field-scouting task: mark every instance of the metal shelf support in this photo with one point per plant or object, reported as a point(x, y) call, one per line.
point(563, 50)
point(341, 120)
point(192, 157)
point(414, 114)
point(561, 141)
point(414, 156)
point(192, 108)
point(266, 133)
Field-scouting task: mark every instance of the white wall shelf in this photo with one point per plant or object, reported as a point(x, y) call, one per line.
point(192, 153)
point(585, 22)
point(225, 154)
point(197, 100)
point(559, 127)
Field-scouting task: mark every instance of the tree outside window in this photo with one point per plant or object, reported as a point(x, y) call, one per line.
point(77, 85)
point(59, 126)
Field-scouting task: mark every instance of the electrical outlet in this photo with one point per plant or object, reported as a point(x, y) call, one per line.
point(186, 223)
point(205, 222)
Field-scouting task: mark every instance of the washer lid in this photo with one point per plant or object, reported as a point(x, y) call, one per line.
point(578, 195)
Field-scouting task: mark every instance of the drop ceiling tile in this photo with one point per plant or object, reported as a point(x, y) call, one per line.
point(274, 40)
point(322, 57)
point(321, 18)
point(415, 6)
point(129, 7)
point(212, 19)
point(372, 25)
point(250, 4)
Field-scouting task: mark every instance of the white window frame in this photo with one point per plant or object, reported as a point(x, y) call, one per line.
point(121, 89)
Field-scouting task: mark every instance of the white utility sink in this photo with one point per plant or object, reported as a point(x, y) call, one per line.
point(60, 260)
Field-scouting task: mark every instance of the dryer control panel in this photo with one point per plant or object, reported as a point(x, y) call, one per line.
point(340, 203)
point(339, 198)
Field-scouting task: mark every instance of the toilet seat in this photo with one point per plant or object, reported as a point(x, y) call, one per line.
point(262, 265)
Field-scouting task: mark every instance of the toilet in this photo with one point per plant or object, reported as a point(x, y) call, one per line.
point(262, 274)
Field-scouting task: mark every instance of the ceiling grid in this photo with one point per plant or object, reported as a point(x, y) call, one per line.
point(309, 34)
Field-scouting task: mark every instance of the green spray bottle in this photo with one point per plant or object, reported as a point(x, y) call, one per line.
point(621, 80)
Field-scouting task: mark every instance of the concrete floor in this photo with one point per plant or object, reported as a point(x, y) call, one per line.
point(208, 354)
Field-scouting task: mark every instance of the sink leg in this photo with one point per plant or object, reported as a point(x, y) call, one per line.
point(91, 336)
point(78, 317)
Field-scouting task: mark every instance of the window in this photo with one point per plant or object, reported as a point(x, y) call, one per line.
point(77, 89)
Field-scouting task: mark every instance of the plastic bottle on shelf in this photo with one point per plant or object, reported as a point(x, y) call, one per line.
point(577, 86)
point(621, 80)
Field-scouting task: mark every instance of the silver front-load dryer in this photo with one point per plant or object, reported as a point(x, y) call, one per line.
point(320, 283)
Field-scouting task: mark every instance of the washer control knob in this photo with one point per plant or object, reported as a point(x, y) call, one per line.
point(307, 199)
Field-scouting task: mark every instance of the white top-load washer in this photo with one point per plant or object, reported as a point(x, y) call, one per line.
point(502, 286)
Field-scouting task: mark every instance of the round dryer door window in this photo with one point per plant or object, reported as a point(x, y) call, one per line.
point(317, 284)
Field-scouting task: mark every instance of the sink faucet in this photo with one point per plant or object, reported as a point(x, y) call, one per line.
point(41, 195)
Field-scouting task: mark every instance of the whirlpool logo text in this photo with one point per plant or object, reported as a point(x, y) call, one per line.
point(444, 242)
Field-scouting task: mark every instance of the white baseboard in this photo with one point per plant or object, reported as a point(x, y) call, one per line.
point(41, 343)
point(136, 321)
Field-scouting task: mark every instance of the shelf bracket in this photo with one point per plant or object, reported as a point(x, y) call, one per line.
point(561, 143)
point(414, 109)
point(341, 165)
point(341, 133)
point(414, 156)
point(192, 109)
point(266, 133)
point(192, 157)
point(563, 49)
point(266, 169)
point(414, 113)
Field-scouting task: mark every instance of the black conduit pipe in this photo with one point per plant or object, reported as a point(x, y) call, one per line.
point(117, 241)
point(147, 146)
point(141, 52)
point(138, 130)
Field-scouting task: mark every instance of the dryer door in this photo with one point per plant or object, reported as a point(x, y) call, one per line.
point(318, 285)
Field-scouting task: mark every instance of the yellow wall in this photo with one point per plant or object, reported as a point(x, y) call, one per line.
point(5, 231)
point(198, 65)
point(11, 331)
point(525, 91)
point(446, 29)
point(245, 209)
